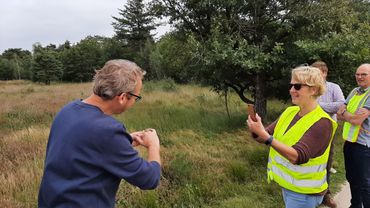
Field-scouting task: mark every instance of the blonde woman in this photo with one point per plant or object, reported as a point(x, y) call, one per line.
point(299, 141)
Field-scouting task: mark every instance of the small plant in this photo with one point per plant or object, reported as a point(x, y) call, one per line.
point(238, 171)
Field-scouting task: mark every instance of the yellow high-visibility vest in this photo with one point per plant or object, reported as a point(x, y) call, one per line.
point(308, 178)
point(350, 132)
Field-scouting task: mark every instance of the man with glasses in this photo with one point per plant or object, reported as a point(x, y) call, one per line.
point(356, 133)
point(330, 102)
point(89, 152)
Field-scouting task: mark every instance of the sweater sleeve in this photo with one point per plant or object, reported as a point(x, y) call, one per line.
point(314, 142)
point(332, 99)
point(122, 160)
point(270, 128)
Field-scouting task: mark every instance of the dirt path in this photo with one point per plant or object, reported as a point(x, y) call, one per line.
point(343, 197)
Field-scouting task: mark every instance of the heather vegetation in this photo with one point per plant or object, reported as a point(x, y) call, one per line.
point(247, 47)
point(209, 159)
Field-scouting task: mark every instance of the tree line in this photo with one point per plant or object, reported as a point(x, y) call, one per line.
point(246, 46)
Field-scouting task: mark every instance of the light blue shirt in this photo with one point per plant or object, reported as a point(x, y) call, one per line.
point(364, 136)
point(332, 99)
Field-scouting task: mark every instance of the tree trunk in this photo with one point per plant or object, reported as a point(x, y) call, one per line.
point(260, 96)
point(226, 103)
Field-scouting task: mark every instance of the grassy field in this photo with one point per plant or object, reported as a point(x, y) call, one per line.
point(208, 159)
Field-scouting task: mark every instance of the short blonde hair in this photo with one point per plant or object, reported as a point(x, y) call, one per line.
point(310, 76)
point(116, 76)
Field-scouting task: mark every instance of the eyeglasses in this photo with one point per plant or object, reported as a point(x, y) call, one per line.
point(297, 86)
point(361, 75)
point(137, 97)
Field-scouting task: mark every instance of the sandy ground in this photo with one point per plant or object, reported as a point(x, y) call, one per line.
point(343, 197)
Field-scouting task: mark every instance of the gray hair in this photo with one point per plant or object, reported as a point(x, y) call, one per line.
point(116, 76)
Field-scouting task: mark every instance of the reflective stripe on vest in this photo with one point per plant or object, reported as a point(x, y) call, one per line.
point(299, 168)
point(308, 178)
point(350, 132)
point(297, 182)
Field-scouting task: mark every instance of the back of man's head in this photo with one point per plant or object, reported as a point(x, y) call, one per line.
point(116, 76)
point(320, 65)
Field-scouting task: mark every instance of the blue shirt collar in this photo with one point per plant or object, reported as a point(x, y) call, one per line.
point(360, 90)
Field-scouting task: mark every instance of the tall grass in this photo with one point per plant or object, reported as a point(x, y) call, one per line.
point(208, 159)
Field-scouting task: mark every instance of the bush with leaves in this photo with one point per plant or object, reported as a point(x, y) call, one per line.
point(172, 58)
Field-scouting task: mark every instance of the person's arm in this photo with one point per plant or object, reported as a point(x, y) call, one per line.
point(314, 141)
point(150, 140)
point(119, 158)
point(357, 118)
point(336, 100)
point(354, 118)
point(288, 152)
point(257, 127)
point(341, 111)
point(271, 127)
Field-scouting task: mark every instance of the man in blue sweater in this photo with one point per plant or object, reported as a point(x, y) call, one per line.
point(89, 152)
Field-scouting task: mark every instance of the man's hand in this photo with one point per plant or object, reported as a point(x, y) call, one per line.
point(360, 116)
point(341, 111)
point(355, 119)
point(147, 138)
point(362, 112)
point(136, 136)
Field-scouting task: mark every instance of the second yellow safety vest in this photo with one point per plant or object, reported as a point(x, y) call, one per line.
point(350, 132)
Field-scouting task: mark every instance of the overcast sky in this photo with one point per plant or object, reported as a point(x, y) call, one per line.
point(25, 22)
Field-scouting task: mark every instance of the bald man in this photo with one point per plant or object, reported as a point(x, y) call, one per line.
point(356, 133)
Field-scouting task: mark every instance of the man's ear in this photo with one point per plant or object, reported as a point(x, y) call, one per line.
point(122, 97)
